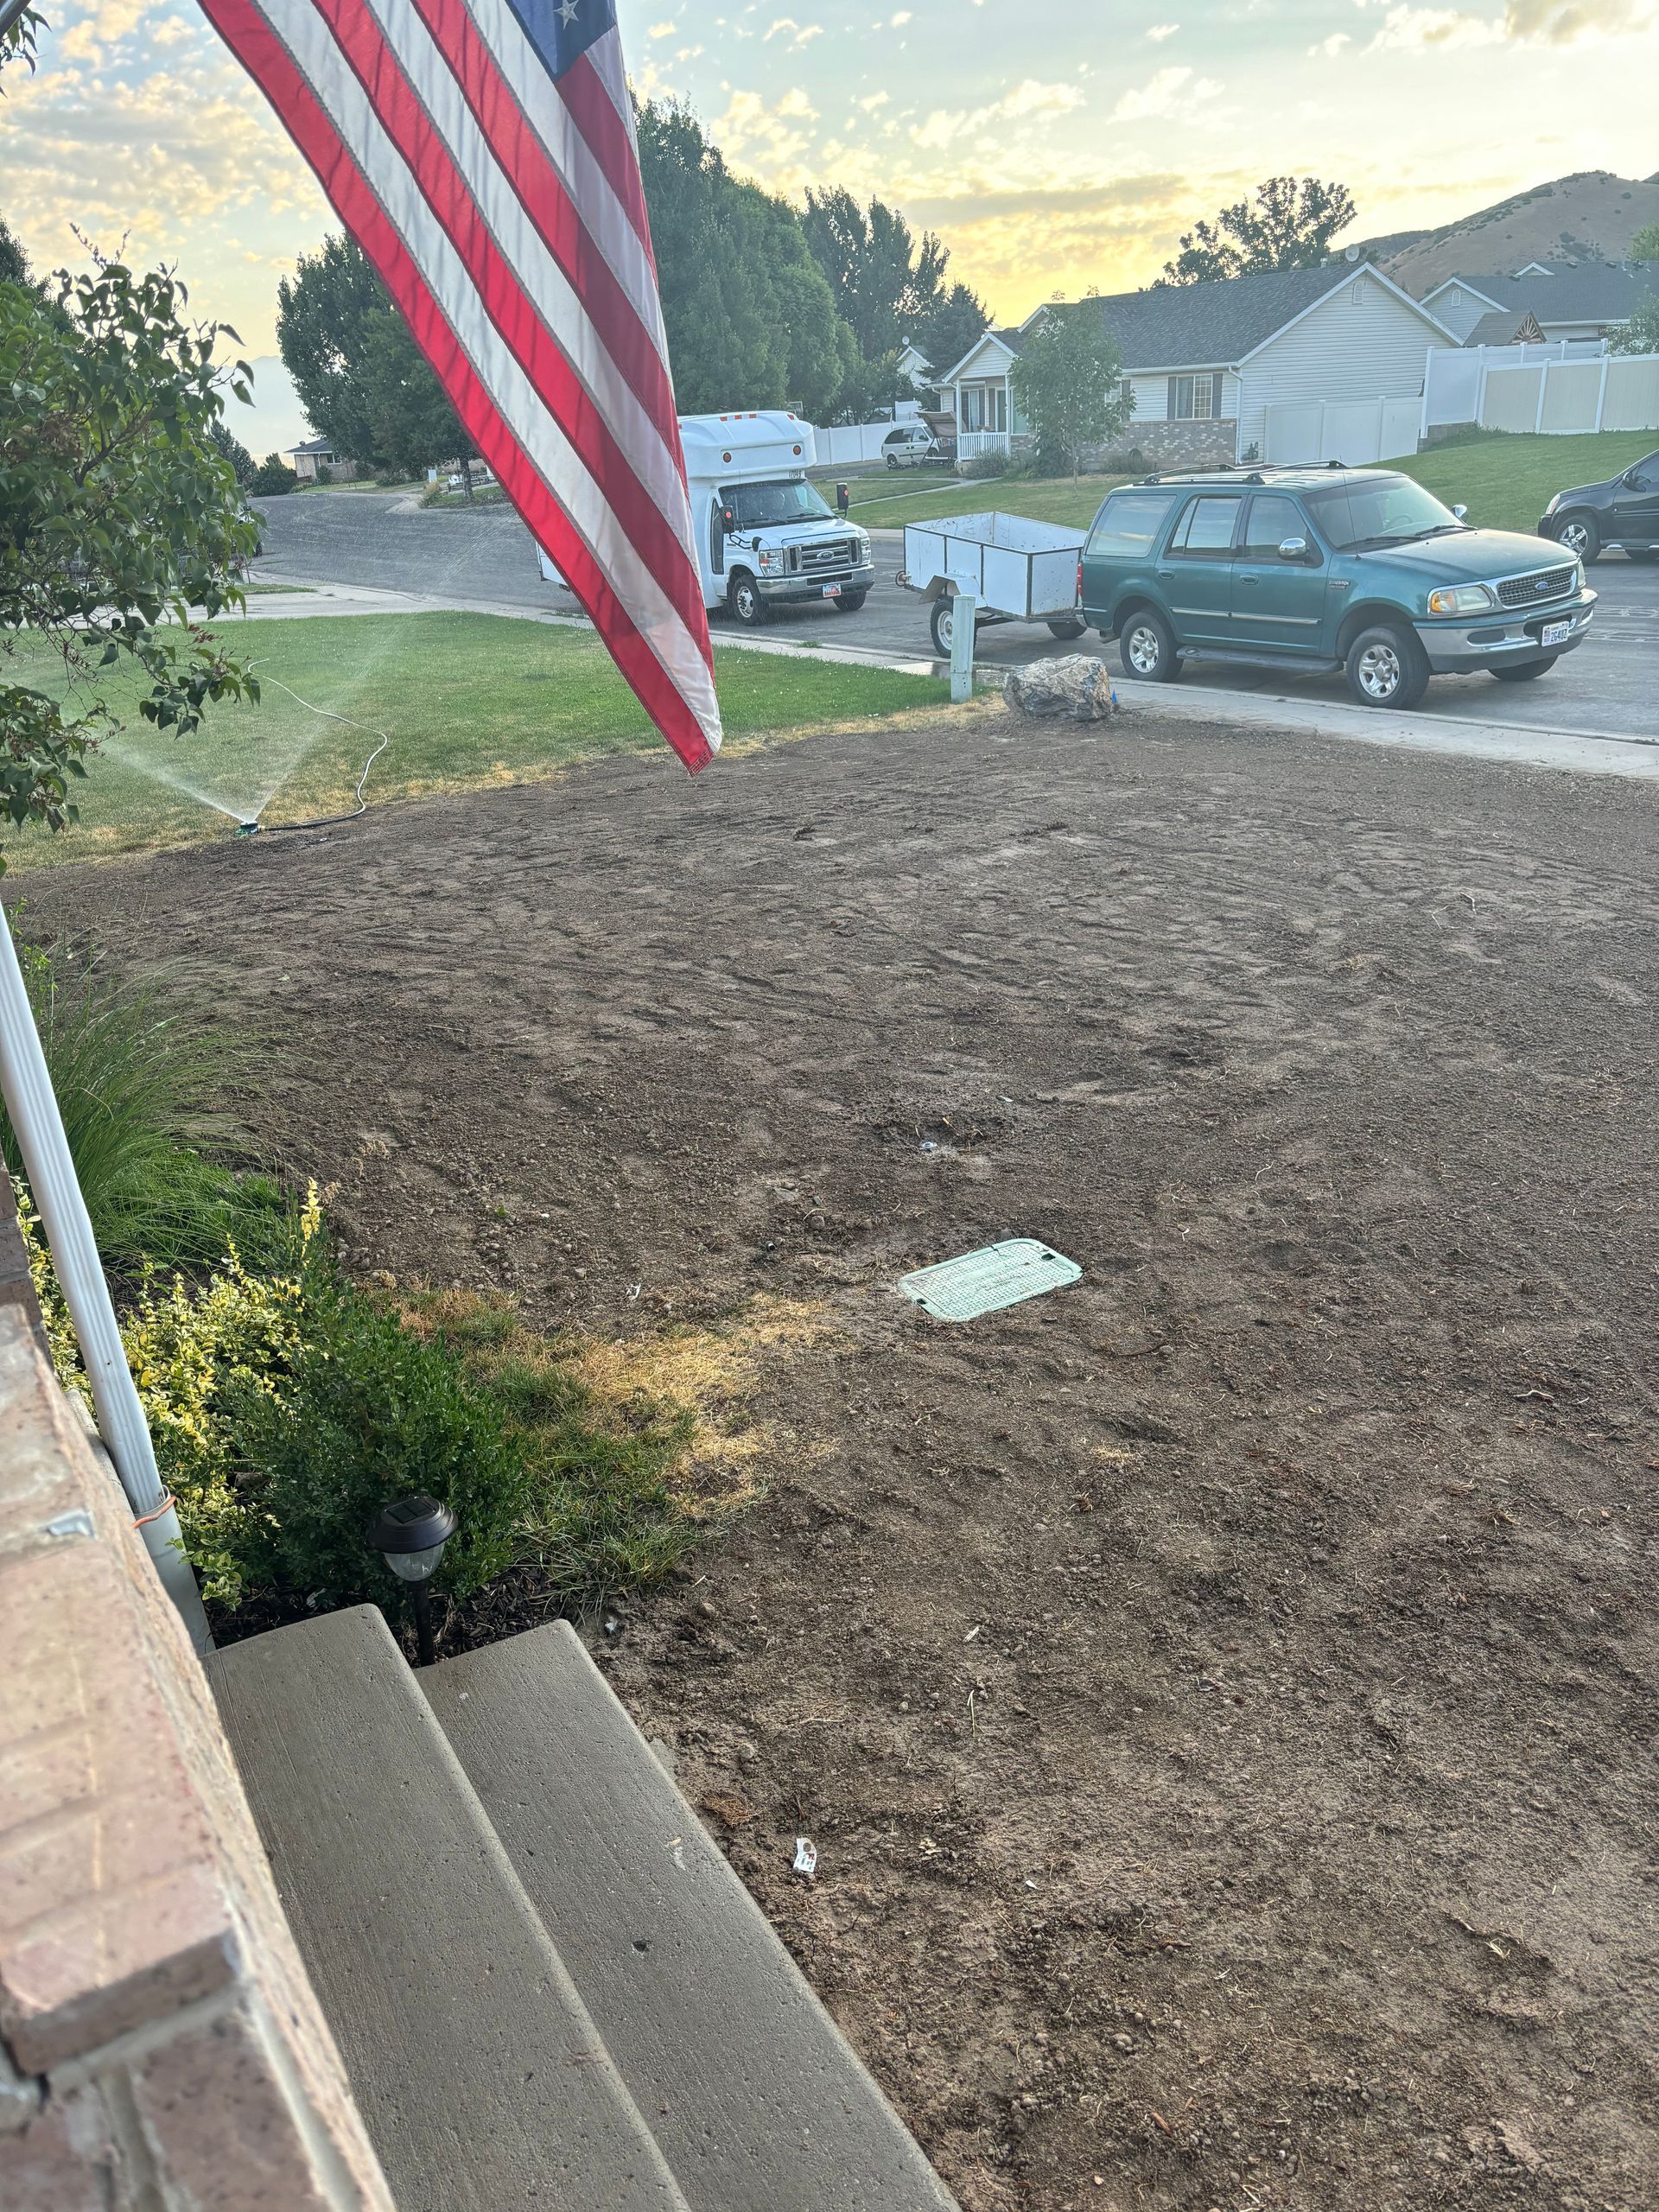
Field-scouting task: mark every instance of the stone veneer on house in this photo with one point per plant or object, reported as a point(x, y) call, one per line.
point(159, 2045)
point(1209, 444)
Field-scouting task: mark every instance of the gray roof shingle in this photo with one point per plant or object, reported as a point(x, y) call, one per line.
point(1213, 326)
point(1208, 326)
point(1591, 291)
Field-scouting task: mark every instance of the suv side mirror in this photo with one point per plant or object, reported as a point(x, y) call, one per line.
point(1293, 549)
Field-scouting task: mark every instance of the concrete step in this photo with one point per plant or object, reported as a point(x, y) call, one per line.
point(481, 2077)
point(751, 2089)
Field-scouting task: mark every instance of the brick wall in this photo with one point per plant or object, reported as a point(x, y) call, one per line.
point(159, 2045)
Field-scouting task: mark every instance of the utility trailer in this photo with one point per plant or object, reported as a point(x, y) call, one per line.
point(1018, 571)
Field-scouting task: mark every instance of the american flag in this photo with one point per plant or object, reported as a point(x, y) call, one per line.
point(482, 154)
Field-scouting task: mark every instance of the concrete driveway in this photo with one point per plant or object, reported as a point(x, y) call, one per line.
point(1608, 687)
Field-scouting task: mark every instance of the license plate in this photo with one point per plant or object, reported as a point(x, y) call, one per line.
point(832, 591)
point(1555, 633)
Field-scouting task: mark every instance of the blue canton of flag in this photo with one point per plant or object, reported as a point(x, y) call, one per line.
point(563, 30)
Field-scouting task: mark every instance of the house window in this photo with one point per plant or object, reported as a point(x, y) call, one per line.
point(985, 407)
point(1195, 399)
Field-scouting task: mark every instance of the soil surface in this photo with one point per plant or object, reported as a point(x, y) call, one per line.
point(1222, 1693)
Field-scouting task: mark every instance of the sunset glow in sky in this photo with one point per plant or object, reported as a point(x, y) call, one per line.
point(1054, 144)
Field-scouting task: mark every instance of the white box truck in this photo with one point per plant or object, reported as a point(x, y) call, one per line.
point(764, 534)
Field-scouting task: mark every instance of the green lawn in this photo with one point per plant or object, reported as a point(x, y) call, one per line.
point(1506, 481)
point(879, 506)
point(469, 701)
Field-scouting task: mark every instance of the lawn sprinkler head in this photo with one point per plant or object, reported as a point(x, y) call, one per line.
point(248, 828)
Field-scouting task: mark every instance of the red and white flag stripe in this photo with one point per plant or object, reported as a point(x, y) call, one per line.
point(491, 178)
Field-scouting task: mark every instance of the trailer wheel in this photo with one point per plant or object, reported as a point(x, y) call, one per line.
point(745, 600)
point(1069, 626)
point(943, 624)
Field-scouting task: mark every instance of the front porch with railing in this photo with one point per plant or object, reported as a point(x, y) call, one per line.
point(973, 445)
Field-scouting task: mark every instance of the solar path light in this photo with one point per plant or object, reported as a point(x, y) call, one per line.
point(410, 1534)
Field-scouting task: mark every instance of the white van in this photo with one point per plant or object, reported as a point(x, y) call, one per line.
point(909, 446)
point(764, 534)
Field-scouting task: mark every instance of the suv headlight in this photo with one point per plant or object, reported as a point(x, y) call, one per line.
point(1462, 598)
point(1554, 502)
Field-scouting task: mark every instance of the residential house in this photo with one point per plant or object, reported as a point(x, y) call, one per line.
point(914, 365)
point(1580, 301)
point(1225, 372)
point(318, 453)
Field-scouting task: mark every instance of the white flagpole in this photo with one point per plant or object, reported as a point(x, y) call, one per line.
point(32, 1106)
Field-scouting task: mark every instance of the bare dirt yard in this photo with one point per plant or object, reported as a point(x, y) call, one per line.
point(1223, 1694)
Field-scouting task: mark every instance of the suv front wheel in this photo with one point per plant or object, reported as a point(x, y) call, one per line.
point(1387, 668)
point(1147, 648)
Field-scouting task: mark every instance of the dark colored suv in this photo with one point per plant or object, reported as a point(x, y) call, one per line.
point(1622, 512)
point(1357, 570)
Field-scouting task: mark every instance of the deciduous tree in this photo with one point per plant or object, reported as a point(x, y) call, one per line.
point(362, 380)
point(119, 516)
point(1641, 334)
point(1287, 223)
point(1069, 380)
point(751, 319)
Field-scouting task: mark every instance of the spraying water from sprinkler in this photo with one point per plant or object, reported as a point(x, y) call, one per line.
point(252, 826)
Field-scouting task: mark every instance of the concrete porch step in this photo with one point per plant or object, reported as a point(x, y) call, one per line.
point(756, 2098)
point(482, 2079)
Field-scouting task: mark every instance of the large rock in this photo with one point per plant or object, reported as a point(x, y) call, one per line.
point(1080, 686)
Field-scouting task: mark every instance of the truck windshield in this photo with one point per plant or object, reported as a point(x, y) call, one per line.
point(1382, 511)
point(763, 506)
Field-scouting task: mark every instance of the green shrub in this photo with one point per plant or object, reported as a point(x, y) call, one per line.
point(366, 1413)
point(201, 1355)
point(143, 1067)
point(272, 478)
point(985, 467)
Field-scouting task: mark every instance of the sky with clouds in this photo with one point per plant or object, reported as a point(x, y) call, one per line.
point(1053, 143)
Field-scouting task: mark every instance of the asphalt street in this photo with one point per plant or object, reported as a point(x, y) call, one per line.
point(1609, 687)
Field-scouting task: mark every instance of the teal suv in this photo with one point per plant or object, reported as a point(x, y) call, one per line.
point(1356, 569)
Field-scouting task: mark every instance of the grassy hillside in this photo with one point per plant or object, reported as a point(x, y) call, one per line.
point(1588, 216)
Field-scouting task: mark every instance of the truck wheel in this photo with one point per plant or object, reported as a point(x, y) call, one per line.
point(745, 600)
point(1579, 535)
point(943, 624)
point(849, 602)
point(1147, 648)
point(1387, 667)
point(1527, 670)
point(1072, 625)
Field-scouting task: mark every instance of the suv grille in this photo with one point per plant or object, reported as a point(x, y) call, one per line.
point(1531, 591)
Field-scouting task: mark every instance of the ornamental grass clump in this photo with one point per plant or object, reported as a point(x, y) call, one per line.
point(143, 1068)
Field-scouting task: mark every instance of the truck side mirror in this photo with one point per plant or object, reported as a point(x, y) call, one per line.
point(1293, 549)
point(729, 520)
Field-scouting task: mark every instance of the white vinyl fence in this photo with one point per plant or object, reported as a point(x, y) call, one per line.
point(862, 441)
point(1548, 389)
point(1358, 431)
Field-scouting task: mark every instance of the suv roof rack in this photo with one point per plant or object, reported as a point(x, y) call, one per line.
point(1253, 473)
